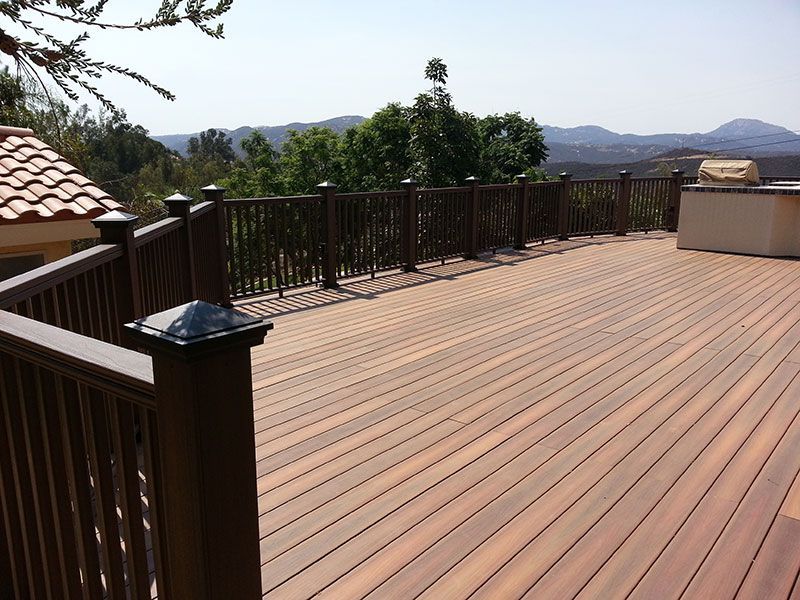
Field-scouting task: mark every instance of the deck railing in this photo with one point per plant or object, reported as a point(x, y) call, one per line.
point(285, 242)
point(113, 438)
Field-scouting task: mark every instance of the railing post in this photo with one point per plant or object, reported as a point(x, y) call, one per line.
point(563, 205)
point(327, 190)
point(410, 226)
point(203, 387)
point(116, 227)
point(623, 203)
point(674, 208)
point(179, 205)
point(523, 206)
point(216, 194)
point(472, 218)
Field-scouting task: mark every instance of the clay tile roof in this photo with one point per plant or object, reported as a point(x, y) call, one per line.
point(37, 185)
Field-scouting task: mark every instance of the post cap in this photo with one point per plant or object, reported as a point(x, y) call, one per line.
point(677, 171)
point(178, 197)
point(521, 176)
point(114, 218)
point(625, 172)
point(565, 175)
point(409, 181)
point(197, 329)
point(213, 188)
point(472, 179)
point(326, 185)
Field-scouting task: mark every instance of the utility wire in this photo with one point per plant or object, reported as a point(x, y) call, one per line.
point(744, 139)
point(753, 146)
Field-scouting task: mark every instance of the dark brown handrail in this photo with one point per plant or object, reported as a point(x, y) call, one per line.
point(19, 288)
point(107, 367)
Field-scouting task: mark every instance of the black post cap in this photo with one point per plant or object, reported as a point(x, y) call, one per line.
point(197, 329)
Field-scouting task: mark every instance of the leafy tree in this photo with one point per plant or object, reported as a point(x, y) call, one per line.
point(376, 153)
point(257, 174)
point(445, 144)
point(308, 158)
point(511, 145)
point(41, 50)
point(213, 145)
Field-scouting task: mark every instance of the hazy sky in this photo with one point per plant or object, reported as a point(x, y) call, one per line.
point(640, 67)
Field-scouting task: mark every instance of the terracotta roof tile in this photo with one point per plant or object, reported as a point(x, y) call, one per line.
point(36, 184)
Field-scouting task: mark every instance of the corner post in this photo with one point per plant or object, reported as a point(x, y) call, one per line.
point(216, 194)
point(563, 205)
point(674, 208)
point(327, 190)
point(623, 203)
point(410, 226)
point(203, 387)
point(180, 206)
point(116, 227)
point(523, 208)
point(472, 218)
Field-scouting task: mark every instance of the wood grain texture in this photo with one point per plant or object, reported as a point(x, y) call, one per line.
point(592, 418)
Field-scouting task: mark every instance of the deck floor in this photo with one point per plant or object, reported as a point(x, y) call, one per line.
point(604, 418)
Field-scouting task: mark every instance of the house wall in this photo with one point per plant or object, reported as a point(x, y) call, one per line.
point(51, 250)
point(39, 234)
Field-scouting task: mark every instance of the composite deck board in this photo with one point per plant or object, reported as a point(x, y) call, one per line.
point(594, 418)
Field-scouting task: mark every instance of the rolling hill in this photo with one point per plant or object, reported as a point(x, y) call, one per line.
point(584, 144)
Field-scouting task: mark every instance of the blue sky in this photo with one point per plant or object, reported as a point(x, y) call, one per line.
point(640, 67)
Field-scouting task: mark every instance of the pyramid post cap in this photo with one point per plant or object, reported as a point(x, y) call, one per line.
point(178, 197)
point(114, 218)
point(198, 328)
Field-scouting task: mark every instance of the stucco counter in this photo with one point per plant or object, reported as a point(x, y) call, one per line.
point(759, 220)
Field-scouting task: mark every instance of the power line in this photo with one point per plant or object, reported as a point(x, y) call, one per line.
point(744, 139)
point(753, 146)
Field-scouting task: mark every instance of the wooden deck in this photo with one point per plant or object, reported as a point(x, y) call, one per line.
point(602, 419)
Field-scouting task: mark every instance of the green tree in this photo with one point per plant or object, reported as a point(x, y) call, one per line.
point(445, 144)
point(309, 157)
point(510, 145)
point(257, 174)
point(376, 153)
point(212, 145)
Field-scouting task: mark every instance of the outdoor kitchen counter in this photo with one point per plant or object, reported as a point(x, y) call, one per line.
point(759, 220)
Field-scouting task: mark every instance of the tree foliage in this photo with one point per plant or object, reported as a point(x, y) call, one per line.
point(376, 154)
point(431, 140)
point(511, 145)
point(38, 50)
point(445, 146)
point(308, 158)
point(212, 145)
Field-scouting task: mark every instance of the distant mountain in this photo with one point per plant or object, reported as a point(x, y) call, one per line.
point(277, 134)
point(686, 159)
point(593, 144)
point(584, 144)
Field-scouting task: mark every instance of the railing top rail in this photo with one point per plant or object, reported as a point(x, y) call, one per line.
point(646, 179)
point(460, 188)
point(597, 180)
point(548, 182)
point(156, 230)
point(499, 186)
point(124, 373)
point(271, 200)
point(200, 209)
point(358, 195)
point(31, 282)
